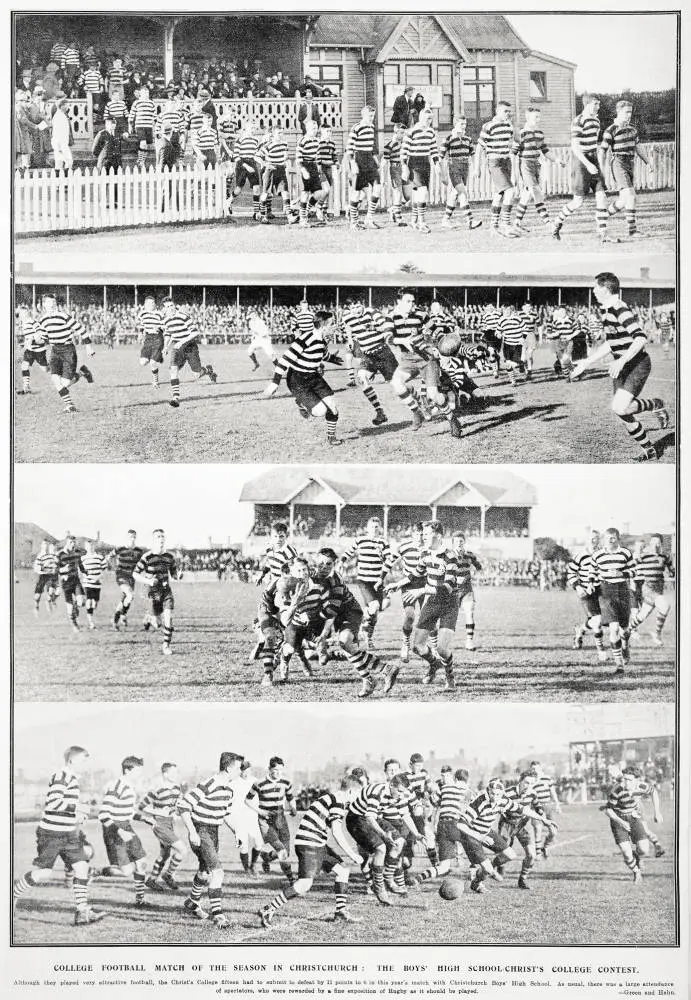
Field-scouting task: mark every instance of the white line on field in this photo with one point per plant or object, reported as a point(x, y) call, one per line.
point(565, 843)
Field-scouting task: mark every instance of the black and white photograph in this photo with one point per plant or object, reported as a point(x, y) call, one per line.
point(492, 824)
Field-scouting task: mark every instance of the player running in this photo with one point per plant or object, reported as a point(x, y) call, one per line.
point(182, 342)
point(544, 792)
point(150, 322)
point(651, 567)
point(373, 559)
point(527, 150)
point(366, 332)
point(69, 559)
point(613, 569)
point(439, 612)
point(587, 171)
point(155, 569)
point(621, 145)
point(61, 331)
point(411, 584)
point(124, 849)
point(93, 566)
point(46, 570)
point(271, 796)
point(405, 325)
point(484, 846)
point(260, 340)
point(522, 815)
point(276, 561)
point(627, 826)
point(35, 351)
point(126, 559)
point(468, 563)
point(158, 808)
point(579, 577)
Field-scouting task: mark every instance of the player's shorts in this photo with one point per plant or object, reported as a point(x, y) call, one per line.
point(275, 177)
point(458, 171)
point(92, 593)
point(500, 173)
point(125, 580)
point(464, 593)
point(349, 618)
point(615, 603)
point(39, 357)
point(408, 593)
point(152, 348)
point(315, 859)
point(296, 635)
point(420, 170)
point(363, 833)
point(380, 362)
point(650, 592)
point(312, 183)
point(590, 604)
point(583, 182)
point(44, 581)
point(121, 853)
point(414, 366)
point(308, 388)
point(51, 846)
point(210, 157)
point(369, 593)
point(368, 171)
point(206, 852)
point(447, 836)
point(634, 375)
point(247, 170)
point(145, 135)
point(395, 826)
point(71, 589)
point(513, 352)
point(396, 175)
point(636, 834)
point(187, 354)
point(63, 360)
point(164, 831)
point(326, 174)
point(579, 348)
point(161, 600)
point(439, 611)
point(492, 341)
point(476, 852)
point(274, 830)
point(530, 173)
point(622, 169)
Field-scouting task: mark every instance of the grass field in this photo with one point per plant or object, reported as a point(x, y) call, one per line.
point(524, 653)
point(122, 418)
point(582, 894)
point(240, 235)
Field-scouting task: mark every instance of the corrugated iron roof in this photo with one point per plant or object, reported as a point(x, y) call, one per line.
point(370, 31)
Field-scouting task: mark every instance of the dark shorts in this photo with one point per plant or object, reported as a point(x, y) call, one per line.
point(274, 831)
point(187, 354)
point(312, 183)
point(50, 846)
point(161, 600)
point(312, 860)
point(590, 604)
point(622, 836)
point(63, 360)
point(382, 361)
point(164, 831)
point(308, 388)
point(579, 348)
point(500, 174)
point(124, 580)
point(145, 135)
point(476, 852)
point(363, 833)
point(71, 589)
point(121, 853)
point(420, 170)
point(448, 835)
point(152, 348)
point(492, 341)
point(513, 352)
point(207, 851)
point(439, 612)
point(36, 357)
point(349, 618)
point(326, 174)
point(210, 157)
point(297, 635)
point(368, 171)
point(458, 171)
point(45, 581)
point(622, 169)
point(634, 375)
point(583, 182)
point(395, 826)
point(370, 594)
point(396, 175)
point(408, 595)
point(92, 593)
point(530, 173)
point(275, 178)
point(243, 172)
point(649, 593)
point(615, 603)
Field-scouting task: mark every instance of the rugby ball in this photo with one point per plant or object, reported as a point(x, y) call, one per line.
point(449, 344)
point(451, 888)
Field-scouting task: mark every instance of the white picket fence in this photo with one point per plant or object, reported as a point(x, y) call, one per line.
point(92, 199)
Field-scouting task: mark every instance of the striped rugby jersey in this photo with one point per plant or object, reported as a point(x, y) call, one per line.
point(452, 800)
point(93, 567)
point(371, 800)
point(71, 57)
point(46, 564)
point(366, 328)
point(621, 139)
point(585, 133)
point(420, 784)
point(116, 77)
point(410, 554)
point(482, 813)
point(61, 328)
point(396, 807)
point(579, 571)
point(392, 150)
point(115, 110)
point(510, 329)
point(93, 81)
point(272, 796)
point(161, 800)
point(625, 802)
point(151, 322)
point(620, 327)
point(305, 354)
point(490, 320)
point(57, 52)
point(306, 149)
point(336, 597)
point(314, 827)
point(440, 570)
point(119, 803)
point(458, 147)
point(246, 146)
point(179, 328)
point(126, 559)
point(651, 568)
point(160, 565)
point(373, 558)
point(60, 807)
point(454, 367)
point(304, 320)
point(496, 138)
point(612, 567)
point(209, 802)
point(517, 802)
point(206, 138)
point(420, 140)
point(529, 321)
point(467, 562)
point(362, 138)
point(563, 327)
point(326, 153)
point(276, 152)
point(172, 119)
point(310, 604)
point(275, 561)
point(542, 789)
point(35, 338)
point(142, 113)
point(227, 130)
point(530, 143)
point(69, 564)
point(407, 333)
point(195, 119)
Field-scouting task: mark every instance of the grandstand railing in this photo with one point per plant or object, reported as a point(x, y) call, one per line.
point(90, 199)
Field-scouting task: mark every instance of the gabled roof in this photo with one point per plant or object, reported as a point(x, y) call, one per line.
point(393, 485)
point(372, 31)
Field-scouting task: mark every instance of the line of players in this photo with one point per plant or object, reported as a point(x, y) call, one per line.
point(374, 825)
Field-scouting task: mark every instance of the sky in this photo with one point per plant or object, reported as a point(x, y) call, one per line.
point(612, 52)
point(196, 503)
